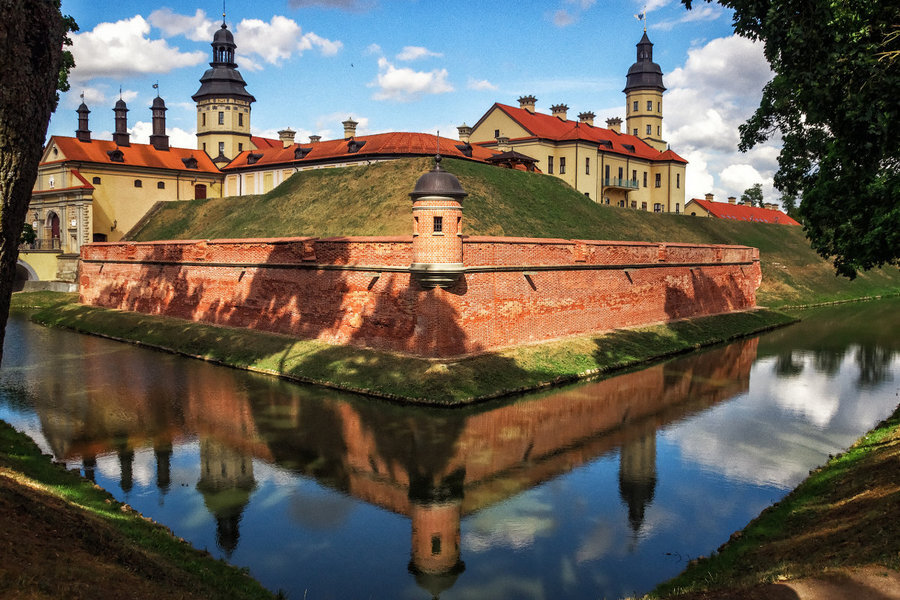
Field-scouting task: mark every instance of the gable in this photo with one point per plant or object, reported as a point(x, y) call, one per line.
point(494, 119)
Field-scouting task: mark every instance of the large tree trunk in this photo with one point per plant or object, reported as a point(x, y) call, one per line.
point(31, 46)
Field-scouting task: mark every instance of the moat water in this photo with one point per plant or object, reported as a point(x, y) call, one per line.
point(600, 489)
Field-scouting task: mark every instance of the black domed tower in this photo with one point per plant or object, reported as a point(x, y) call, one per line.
point(223, 103)
point(643, 96)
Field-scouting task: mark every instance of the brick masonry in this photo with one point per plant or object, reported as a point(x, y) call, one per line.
point(359, 291)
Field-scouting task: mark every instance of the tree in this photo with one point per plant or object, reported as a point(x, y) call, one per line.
point(834, 100)
point(33, 64)
point(753, 195)
point(789, 205)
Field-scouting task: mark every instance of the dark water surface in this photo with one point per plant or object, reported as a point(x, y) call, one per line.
point(600, 489)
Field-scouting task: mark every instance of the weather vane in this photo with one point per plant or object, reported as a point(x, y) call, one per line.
point(156, 87)
point(642, 16)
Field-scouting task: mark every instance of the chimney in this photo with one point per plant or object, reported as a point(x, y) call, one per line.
point(770, 206)
point(559, 110)
point(159, 139)
point(83, 134)
point(587, 118)
point(710, 197)
point(465, 132)
point(120, 137)
point(287, 137)
point(503, 144)
point(349, 128)
point(614, 124)
point(314, 139)
point(732, 200)
point(527, 103)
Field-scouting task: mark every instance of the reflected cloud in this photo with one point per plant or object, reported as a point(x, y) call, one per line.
point(514, 525)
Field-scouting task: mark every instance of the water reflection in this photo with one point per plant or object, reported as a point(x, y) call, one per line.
point(583, 491)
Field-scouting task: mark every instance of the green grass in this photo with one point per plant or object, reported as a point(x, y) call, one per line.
point(210, 577)
point(374, 200)
point(407, 378)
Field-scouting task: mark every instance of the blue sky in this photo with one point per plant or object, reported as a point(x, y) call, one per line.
point(408, 65)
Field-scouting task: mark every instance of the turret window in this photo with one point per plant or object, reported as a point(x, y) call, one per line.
point(659, 107)
point(240, 119)
point(587, 165)
point(203, 119)
point(635, 106)
point(634, 131)
point(439, 225)
point(221, 117)
point(649, 129)
point(649, 105)
point(678, 180)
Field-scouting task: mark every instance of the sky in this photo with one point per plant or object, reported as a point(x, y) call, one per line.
point(416, 65)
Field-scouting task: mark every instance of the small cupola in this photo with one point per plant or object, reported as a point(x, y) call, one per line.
point(560, 111)
point(83, 134)
point(587, 118)
point(159, 139)
point(121, 136)
point(349, 128)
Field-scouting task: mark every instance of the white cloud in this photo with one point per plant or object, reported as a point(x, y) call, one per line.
point(650, 5)
point(563, 18)
point(123, 49)
point(716, 90)
point(178, 138)
point(480, 85)
point(348, 5)
point(405, 84)
point(571, 12)
point(330, 126)
point(278, 40)
point(198, 27)
point(374, 49)
point(411, 53)
point(701, 12)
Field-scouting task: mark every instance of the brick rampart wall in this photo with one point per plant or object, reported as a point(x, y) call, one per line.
point(358, 290)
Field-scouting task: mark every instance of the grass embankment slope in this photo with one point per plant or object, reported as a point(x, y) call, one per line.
point(395, 377)
point(374, 200)
point(64, 537)
point(836, 536)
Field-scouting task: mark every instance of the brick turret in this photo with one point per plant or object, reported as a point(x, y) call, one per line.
point(437, 222)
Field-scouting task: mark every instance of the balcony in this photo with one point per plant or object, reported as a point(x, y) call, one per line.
point(619, 183)
point(42, 244)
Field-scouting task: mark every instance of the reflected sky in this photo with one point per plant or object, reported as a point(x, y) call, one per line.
point(600, 489)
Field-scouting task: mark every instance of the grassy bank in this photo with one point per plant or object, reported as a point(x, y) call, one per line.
point(71, 539)
point(401, 377)
point(374, 200)
point(843, 516)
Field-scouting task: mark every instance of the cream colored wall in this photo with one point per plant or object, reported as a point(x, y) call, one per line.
point(232, 132)
point(693, 207)
point(43, 263)
point(640, 118)
point(497, 119)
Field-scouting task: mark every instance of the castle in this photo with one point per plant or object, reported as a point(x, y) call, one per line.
point(91, 190)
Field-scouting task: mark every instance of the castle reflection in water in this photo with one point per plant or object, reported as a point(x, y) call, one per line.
point(435, 466)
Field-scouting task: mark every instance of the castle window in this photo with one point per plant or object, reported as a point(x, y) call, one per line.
point(116, 155)
point(634, 204)
point(678, 180)
point(649, 129)
point(496, 133)
point(620, 173)
point(562, 165)
point(240, 119)
point(634, 131)
point(643, 206)
point(240, 147)
point(658, 180)
point(435, 545)
point(658, 129)
point(621, 204)
point(203, 119)
point(439, 225)
point(221, 118)
point(95, 181)
point(606, 172)
point(550, 165)
point(634, 176)
point(252, 158)
point(160, 185)
point(190, 162)
point(587, 165)
point(676, 208)
point(657, 207)
point(221, 148)
point(649, 105)
point(645, 178)
point(635, 106)
point(659, 107)
point(416, 226)
point(138, 183)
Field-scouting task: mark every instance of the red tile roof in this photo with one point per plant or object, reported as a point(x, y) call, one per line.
point(548, 127)
point(742, 212)
point(261, 142)
point(368, 146)
point(139, 155)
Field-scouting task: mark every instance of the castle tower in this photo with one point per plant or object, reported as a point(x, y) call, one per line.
point(435, 512)
point(223, 103)
point(643, 97)
point(437, 234)
point(226, 482)
point(637, 477)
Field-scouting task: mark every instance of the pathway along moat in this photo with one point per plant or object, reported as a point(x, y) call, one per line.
point(600, 489)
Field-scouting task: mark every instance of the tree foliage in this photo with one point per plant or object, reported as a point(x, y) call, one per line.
point(753, 195)
point(835, 98)
point(33, 65)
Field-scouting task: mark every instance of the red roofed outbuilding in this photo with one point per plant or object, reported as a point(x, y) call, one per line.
point(737, 212)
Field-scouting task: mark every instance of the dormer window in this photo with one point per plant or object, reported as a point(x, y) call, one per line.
point(466, 149)
point(253, 158)
point(190, 162)
point(300, 153)
point(116, 155)
point(354, 146)
point(628, 147)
